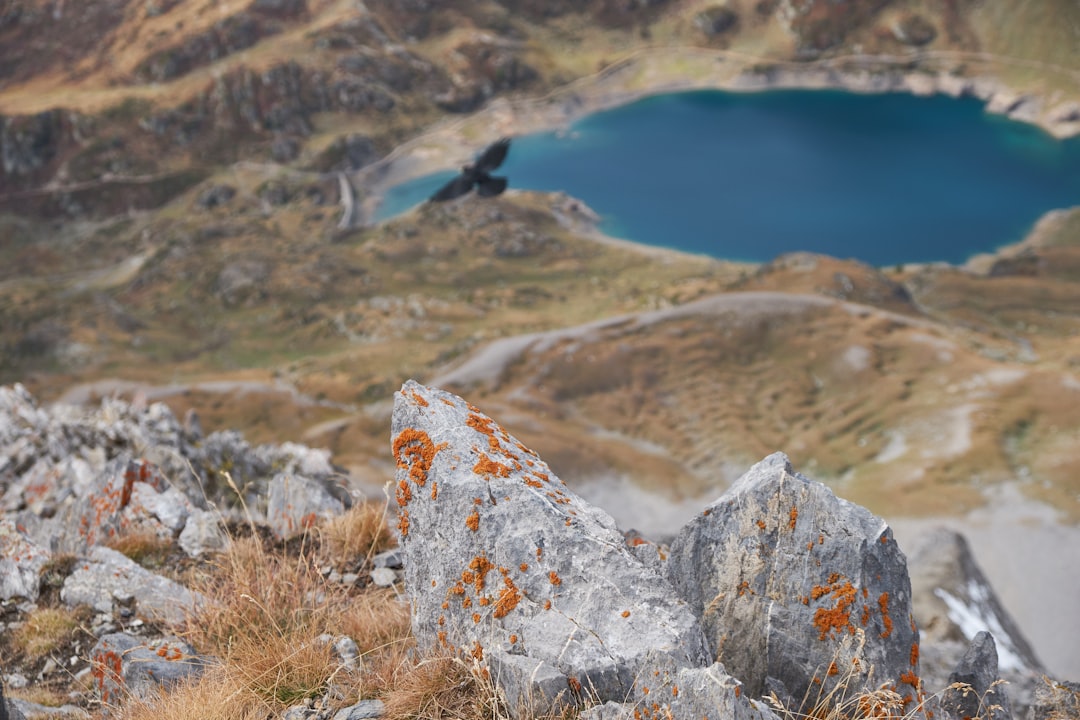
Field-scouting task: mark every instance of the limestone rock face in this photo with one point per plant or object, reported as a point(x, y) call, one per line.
point(503, 560)
point(789, 579)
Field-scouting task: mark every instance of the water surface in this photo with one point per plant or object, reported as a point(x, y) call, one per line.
point(886, 179)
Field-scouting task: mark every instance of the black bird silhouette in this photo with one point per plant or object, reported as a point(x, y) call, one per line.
point(478, 174)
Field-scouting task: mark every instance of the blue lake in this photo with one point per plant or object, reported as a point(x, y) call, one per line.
point(883, 178)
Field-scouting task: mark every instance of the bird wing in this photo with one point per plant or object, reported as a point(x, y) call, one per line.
point(493, 156)
point(457, 187)
point(488, 186)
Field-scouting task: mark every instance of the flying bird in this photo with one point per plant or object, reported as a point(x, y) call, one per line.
point(478, 175)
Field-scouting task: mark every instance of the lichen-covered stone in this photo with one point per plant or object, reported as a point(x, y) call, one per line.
point(501, 556)
point(123, 665)
point(21, 561)
point(797, 589)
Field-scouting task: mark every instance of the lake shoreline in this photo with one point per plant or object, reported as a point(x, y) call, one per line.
point(454, 142)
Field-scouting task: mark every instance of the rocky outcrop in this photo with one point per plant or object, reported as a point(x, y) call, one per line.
point(793, 589)
point(1056, 700)
point(954, 604)
point(974, 689)
point(505, 563)
point(784, 574)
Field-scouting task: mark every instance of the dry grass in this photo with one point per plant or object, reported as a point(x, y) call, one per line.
point(271, 609)
point(439, 688)
point(144, 547)
point(46, 630)
point(356, 535)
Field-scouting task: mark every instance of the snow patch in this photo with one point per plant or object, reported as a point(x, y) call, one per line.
point(895, 448)
point(976, 617)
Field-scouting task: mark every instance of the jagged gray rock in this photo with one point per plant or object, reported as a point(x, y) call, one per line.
point(798, 589)
point(79, 476)
point(106, 576)
point(501, 555)
point(21, 561)
point(953, 601)
point(975, 690)
point(296, 503)
point(504, 563)
point(126, 665)
point(202, 533)
point(1056, 700)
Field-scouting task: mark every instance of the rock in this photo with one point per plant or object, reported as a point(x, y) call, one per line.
point(125, 665)
point(107, 575)
point(392, 558)
point(29, 142)
point(21, 561)
point(982, 695)
point(1056, 700)
point(361, 710)
point(296, 503)
point(202, 533)
point(215, 195)
point(914, 29)
point(26, 710)
point(507, 565)
point(953, 601)
point(793, 585)
point(383, 577)
point(716, 20)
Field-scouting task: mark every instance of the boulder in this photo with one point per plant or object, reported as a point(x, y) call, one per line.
point(21, 561)
point(798, 590)
point(974, 689)
point(506, 565)
point(124, 665)
point(1056, 700)
point(106, 577)
point(202, 533)
point(296, 503)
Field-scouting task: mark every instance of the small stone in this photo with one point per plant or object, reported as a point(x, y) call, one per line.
point(362, 711)
point(383, 577)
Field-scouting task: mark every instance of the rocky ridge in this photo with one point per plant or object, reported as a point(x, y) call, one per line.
point(505, 564)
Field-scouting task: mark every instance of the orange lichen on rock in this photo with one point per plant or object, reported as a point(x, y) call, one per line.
point(554, 579)
point(403, 523)
point(413, 449)
point(509, 597)
point(883, 603)
point(547, 604)
point(404, 493)
point(865, 615)
point(473, 521)
point(486, 466)
point(483, 425)
point(513, 639)
point(480, 565)
point(792, 517)
point(838, 617)
point(574, 684)
point(533, 483)
point(761, 524)
point(911, 679)
point(911, 621)
point(833, 670)
point(626, 613)
point(419, 399)
point(476, 618)
point(914, 654)
point(477, 651)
